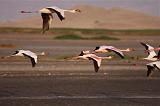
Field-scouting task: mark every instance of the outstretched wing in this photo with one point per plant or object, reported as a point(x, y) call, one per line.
point(151, 54)
point(148, 47)
point(117, 51)
point(150, 70)
point(33, 62)
point(158, 54)
point(96, 62)
point(157, 65)
point(47, 19)
point(58, 11)
point(145, 45)
point(32, 57)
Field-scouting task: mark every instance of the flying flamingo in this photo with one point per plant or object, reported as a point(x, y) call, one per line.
point(152, 56)
point(105, 49)
point(47, 16)
point(90, 56)
point(26, 53)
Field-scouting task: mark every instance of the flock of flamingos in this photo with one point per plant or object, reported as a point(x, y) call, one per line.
point(47, 17)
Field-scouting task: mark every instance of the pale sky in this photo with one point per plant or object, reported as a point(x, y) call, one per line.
point(9, 9)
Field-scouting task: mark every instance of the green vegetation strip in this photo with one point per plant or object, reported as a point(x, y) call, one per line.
point(62, 31)
point(77, 37)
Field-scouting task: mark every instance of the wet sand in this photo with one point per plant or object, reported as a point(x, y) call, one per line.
point(80, 88)
point(74, 83)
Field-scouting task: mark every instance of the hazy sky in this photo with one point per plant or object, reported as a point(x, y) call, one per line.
point(9, 9)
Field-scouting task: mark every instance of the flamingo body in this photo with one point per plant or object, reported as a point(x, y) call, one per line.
point(152, 56)
point(104, 49)
point(26, 53)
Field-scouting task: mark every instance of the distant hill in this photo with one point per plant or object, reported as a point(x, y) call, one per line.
point(95, 17)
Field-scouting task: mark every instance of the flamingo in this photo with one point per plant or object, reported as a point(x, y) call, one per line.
point(152, 56)
point(105, 49)
point(90, 56)
point(26, 53)
point(47, 16)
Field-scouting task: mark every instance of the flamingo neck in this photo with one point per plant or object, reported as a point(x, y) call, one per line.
point(150, 59)
point(109, 57)
point(71, 11)
point(157, 48)
point(29, 11)
point(125, 50)
point(41, 54)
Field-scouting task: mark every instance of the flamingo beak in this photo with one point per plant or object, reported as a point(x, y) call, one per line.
point(26, 12)
point(22, 11)
point(78, 10)
point(131, 49)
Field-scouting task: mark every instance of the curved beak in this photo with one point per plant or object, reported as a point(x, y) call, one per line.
point(131, 49)
point(78, 10)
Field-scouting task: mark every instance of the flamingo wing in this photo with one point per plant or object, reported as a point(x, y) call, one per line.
point(96, 62)
point(150, 70)
point(96, 67)
point(117, 51)
point(32, 56)
point(151, 54)
point(47, 18)
point(158, 56)
point(58, 11)
point(33, 62)
point(145, 45)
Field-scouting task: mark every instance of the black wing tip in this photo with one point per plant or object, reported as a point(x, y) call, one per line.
point(97, 70)
point(33, 64)
point(142, 43)
point(149, 73)
point(96, 48)
point(62, 19)
point(150, 70)
point(122, 57)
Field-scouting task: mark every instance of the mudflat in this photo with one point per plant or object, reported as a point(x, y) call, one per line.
point(59, 82)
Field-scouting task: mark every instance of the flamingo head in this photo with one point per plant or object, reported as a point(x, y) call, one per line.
point(43, 53)
point(78, 10)
point(130, 49)
point(84, 52)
